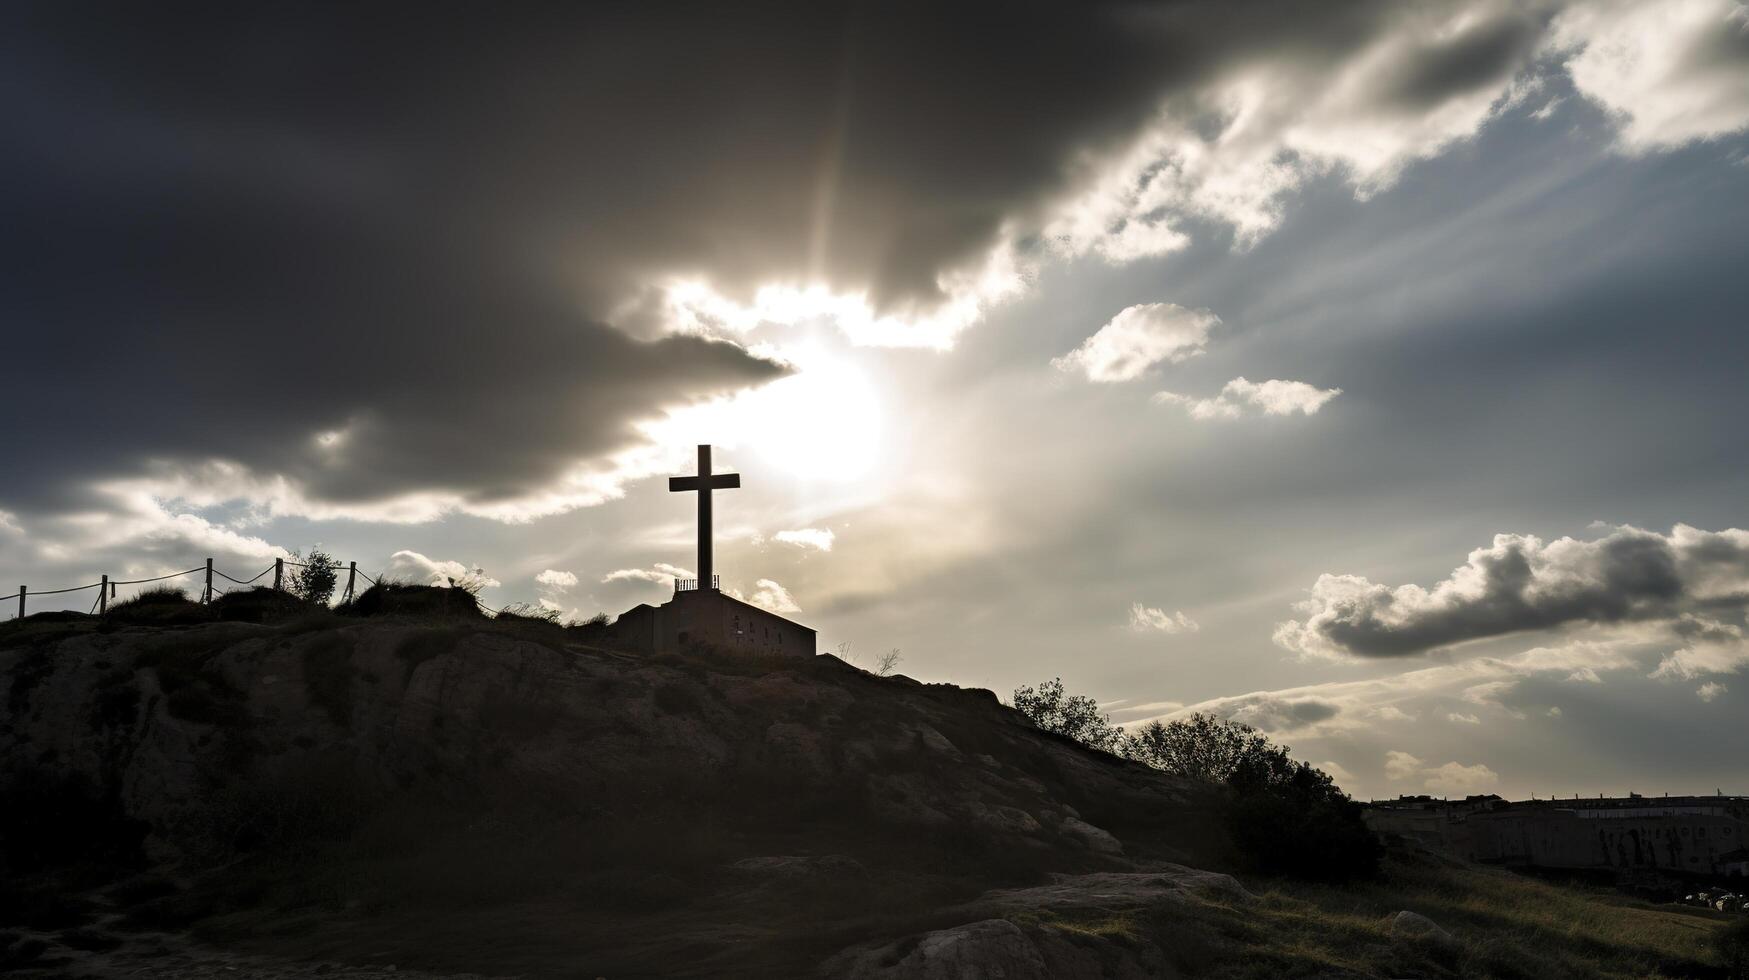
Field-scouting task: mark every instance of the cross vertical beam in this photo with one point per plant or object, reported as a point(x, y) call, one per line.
point(704, 483)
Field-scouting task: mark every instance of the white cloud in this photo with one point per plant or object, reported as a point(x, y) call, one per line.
point(1148, 619)
point(1271, 397)
point(1391, 712)
point(1555, 712)
point(1453, 779)
point(1673, 71)
point(818, 538)
point(1585, 675)
point(1282, 123)
point(1401, 765)
point(661, 574)
point(1139, 338)
point(771, 596)
point(1710, 690)
point(556, 580)
point(1463, 719)
point(431, 571)
point(696, 306)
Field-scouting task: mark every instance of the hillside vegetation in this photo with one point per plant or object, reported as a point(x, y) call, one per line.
point(291, 791)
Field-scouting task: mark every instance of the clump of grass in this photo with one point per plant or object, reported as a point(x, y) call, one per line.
point(528, 613)
point(388, 598)
point(263, 604)
point(160, 605)
point(1504, 925)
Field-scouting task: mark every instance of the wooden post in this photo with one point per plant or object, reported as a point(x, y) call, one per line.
point(351, 578)
point(278, 573)
point(103, 596)
point(208, 597)
point(22, 590)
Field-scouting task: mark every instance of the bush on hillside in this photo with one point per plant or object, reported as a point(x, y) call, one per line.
point(1286, 817)
point(1053, 709)
point(262, 604)
point(403, 599)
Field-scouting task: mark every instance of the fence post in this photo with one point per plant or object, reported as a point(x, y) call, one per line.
point(278, 573)
point(208, 597)
point(351, 578)
point(103, 596)
point(21, 592)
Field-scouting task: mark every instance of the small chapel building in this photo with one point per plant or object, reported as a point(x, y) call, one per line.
point(699, 615)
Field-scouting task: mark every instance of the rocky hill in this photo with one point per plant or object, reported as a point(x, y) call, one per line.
point(259, 789)
point(459, 794)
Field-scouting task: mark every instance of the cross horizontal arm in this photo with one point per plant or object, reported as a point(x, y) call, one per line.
point(718, 481)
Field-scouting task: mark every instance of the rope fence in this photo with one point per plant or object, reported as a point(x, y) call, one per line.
point(107, 586)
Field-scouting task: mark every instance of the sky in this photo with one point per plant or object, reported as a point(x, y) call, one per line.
point(1370, 373)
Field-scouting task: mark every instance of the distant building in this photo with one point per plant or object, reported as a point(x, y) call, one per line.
point(700, 616)
point(1699, 835)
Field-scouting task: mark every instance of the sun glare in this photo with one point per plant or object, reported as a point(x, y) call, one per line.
point(820, 424)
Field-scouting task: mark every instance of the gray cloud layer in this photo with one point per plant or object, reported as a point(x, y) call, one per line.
point(1521, 583)
point(403, 228)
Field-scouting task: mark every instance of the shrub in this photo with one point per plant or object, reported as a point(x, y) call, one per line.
point(1053, 709)
point(316, 580)
point(1286, 817)
point(396, 598)
point(261, 604)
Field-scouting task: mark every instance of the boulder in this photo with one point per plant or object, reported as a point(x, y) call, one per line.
point(1414, 925)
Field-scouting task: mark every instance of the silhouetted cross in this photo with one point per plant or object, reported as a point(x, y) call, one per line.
point(704, 483)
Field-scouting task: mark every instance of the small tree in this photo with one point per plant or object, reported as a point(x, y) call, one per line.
point(887, 662)
point(1053, 709)
point(1285, 817)
point(1201, 747)
point(316, 580)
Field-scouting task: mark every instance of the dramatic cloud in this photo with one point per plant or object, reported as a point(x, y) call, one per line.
point(1673, 71)
point(1521, 583)
point(1270, 397)
point(1232, 149)
point(378, 265)
point(1144, 619)
point(431, 571)
point(819, 539)
point(1139, 338)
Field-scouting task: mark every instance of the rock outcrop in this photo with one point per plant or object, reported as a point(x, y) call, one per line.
point(806, 786)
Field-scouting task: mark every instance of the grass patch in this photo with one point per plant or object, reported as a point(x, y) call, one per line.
point(1505, 926)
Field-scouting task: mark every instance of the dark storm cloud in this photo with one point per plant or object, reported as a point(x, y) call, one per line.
point(232, 228)
point(1521, 583)
point(1483, 56)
